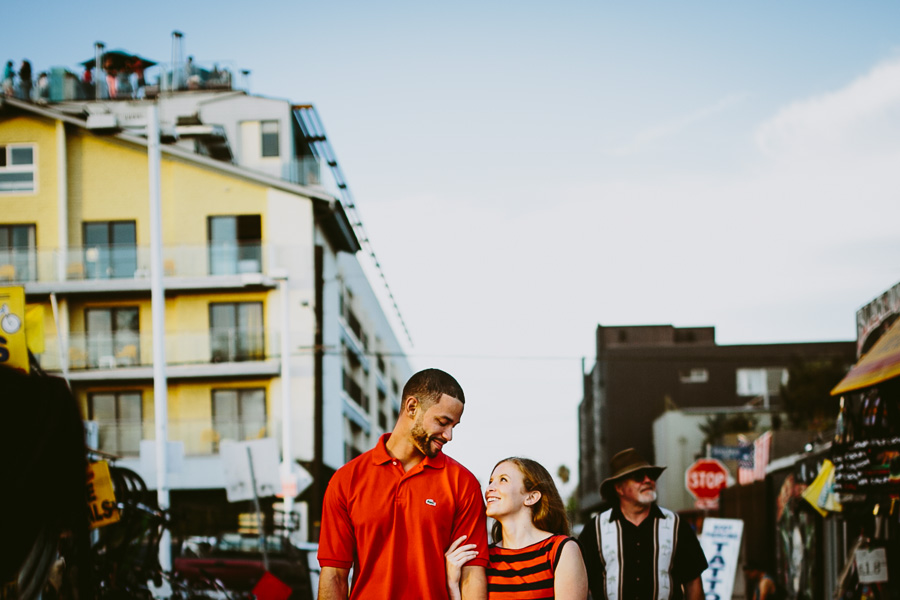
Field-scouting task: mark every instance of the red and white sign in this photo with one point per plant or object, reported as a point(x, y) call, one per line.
point(704, 480)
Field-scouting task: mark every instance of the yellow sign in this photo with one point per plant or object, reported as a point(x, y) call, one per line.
point(13, 348)
point(101, 498)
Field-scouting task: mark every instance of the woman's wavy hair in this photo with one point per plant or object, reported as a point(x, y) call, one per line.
point(548, 513)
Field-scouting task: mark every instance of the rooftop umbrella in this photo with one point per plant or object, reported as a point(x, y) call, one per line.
point(119, 59)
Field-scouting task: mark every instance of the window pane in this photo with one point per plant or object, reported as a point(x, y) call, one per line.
point(127, 336)
point(96, 233)
point(130, 406)
point(223, 250)
point(16, 182)
point(100, 337)
point(225, 414)
point(22, 156)
point(103, 410)
point(123, 233)
point(103, 407)
point(269, 138)
point(253, 405)
point(250, 331)
point(222, 332)
point(223, 229)
point(2, 156)
point(22, 236)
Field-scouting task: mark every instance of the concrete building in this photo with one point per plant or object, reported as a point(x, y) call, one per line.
point(246, 218)
point(642, 371)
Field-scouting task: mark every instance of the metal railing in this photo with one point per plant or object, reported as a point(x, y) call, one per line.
point(91, 263)
point(201, 437)
point(124, 349)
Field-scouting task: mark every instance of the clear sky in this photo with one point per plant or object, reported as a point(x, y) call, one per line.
point(528, 170)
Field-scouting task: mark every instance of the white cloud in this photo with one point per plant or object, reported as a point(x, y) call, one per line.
point(662, 131)
point(856, 121)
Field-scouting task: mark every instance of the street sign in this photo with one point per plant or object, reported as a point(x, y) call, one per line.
point(704, 480)
point(744, 453)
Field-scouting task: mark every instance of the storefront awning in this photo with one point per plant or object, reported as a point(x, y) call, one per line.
point(879, 364)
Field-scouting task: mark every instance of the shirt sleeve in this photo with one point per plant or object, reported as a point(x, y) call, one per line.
point(336, 537)
point(470, 519)
point(690, 561)
point(587, 540)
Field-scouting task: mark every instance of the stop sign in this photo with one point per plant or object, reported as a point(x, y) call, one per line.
point(706, 478)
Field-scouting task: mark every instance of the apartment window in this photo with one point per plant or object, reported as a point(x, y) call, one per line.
point(766, 381)
point(269, 142)
point(119, 417)
point(236, 331)
point(113, 336)
point(696, 375)
point(239, 414)
point(355, 391)
point(17, 167)
point(235, 244)
point(18, 253)
point(110, 249)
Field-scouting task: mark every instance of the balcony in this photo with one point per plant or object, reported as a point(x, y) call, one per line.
point(127, 268)
point(201, 437)
point(302, 170)
point(129, 355)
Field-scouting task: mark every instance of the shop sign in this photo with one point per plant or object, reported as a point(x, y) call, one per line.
point(873, 314)
point(871, 564)
point(100, 495)
point(721, 543)
point(13, 345)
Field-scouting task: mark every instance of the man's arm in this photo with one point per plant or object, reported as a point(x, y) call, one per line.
point(693, 589)
point(473, 583)
point(333, 583)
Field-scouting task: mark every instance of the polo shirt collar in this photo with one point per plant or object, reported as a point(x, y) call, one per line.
point(381, 456)
point(655, 513)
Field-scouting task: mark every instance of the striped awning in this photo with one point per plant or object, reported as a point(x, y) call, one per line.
point(879, 364)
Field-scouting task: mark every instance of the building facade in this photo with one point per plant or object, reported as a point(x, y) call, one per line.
point(245, 220)
point(643, 371)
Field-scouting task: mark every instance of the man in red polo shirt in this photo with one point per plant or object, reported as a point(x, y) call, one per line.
point(392, 512)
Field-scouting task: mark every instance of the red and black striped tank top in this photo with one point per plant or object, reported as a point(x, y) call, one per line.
point(526, 573)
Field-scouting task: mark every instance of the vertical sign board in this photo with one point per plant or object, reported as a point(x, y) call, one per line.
point(100, 495)
point(13, 346)
point(721, 543)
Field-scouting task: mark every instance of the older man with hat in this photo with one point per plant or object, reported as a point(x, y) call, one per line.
point(637, 550)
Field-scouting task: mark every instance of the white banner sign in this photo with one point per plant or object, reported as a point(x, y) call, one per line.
point(236, 462)
point(721, 543)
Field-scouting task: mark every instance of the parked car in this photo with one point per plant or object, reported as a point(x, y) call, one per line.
point(236, 560)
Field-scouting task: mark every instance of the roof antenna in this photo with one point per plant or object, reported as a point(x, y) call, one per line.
point(98, 58)
point(246, 74)
point(177, 62)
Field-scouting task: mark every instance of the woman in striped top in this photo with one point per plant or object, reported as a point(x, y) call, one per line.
point(531, 557)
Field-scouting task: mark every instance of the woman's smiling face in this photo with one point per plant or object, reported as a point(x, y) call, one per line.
point(505, 493)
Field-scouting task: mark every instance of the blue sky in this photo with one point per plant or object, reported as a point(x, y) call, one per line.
point(527, 170)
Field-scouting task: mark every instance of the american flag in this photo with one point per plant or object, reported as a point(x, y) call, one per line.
point(757, 472)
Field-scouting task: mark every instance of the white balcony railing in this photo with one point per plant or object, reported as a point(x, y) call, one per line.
point(90, 263)
point(201, 437)
point(135, 349)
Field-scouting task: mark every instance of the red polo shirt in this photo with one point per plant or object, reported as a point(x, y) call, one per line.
point(394, 527)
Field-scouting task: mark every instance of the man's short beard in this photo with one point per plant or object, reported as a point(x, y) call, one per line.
point(422, 440)
point(650, 496)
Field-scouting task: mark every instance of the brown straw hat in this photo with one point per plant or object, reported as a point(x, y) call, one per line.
point(624, 463)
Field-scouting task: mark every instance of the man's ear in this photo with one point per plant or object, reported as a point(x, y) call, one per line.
point(533, 498)
point(410, 405)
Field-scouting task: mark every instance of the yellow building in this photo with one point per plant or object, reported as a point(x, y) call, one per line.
point(75, 232)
